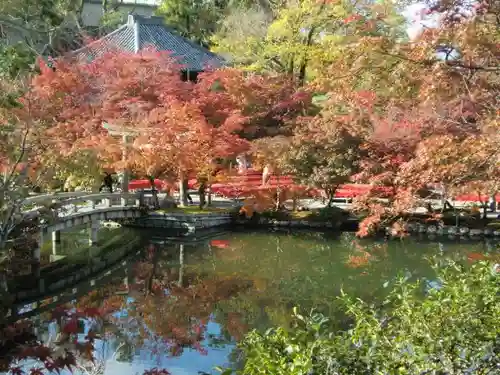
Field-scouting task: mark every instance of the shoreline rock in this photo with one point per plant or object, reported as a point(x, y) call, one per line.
point(412, 228)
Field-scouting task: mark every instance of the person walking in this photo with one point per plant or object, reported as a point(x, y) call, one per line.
point(156, 201)
point(107, 182)
point(186, 191)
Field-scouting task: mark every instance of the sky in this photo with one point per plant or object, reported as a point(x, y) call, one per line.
point(417, 20)
point(191, 362)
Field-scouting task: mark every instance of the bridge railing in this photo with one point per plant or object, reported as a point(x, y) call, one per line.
point(61, 204)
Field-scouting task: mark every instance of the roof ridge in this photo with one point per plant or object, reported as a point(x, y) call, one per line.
point(171, 30)
point(144, 20)
point(140, 32)
point(100, 40)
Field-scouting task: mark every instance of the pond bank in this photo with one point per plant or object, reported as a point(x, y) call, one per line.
point(490, 229)
point(337, 220)
point(177, 220)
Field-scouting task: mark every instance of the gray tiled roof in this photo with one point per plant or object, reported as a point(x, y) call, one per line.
point(142, 32)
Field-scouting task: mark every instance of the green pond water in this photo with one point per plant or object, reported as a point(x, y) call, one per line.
point(184, 305)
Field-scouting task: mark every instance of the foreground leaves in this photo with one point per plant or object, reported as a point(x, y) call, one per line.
point(454, 329)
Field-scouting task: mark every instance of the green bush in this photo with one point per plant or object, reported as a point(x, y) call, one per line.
point(332, 214)
point(450, 329)
point(277, 215)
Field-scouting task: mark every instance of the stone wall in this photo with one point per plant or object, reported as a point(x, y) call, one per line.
point(180, 220)
point(412, 228)
point(451, 231)
point(265, 222)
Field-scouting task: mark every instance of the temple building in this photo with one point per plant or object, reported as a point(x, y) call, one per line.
point(142, 32)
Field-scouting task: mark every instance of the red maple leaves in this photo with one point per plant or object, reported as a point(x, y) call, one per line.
point(178, 127)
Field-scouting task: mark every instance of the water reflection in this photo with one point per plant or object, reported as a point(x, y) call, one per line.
point(183, 305)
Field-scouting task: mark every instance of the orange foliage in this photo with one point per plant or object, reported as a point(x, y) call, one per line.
point(356, 261)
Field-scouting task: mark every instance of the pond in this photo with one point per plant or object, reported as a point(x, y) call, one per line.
point(183, 305)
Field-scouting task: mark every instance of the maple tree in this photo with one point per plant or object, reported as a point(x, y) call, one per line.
point(422, 111)
point(264, 105)
point(170, 134)
point(23, 144)
point(178, 128)
point(323, 153)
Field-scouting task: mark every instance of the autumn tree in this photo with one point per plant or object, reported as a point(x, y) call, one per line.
point(260, 105)
point(464, 99)
point(199, 20)
point(196, 20)
point(268, 102)
point(22, 144)
point(324, 153)
point(423, 108)
point(174, 127)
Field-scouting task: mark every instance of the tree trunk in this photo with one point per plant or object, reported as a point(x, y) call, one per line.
point(291, 66)
point(156, 201)
point(150, 280)
point(330, 201)
point(209, 191)
point(448, 205)
point(201, 193)
point(181, 265)
point(330, 195)
point(182, 191)
point(443, 198)
point(266, 174)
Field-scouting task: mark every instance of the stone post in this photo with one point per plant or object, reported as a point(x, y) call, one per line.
point(56, 241)
point(94, 229)
point(181, 263)
point(125, 175)
point(35, 268)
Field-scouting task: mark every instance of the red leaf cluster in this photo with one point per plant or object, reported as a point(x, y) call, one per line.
point(178, 127)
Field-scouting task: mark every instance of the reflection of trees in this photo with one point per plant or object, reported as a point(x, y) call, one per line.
point(178, 315)
point(171, 306)
point(253, 282)
point(309, 269)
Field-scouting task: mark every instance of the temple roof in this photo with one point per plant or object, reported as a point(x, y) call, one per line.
point(141, 32)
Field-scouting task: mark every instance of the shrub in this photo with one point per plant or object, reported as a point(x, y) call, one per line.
point(331, 214)
point(451, 329)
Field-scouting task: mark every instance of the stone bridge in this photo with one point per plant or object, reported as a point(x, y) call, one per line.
point(66, 282)
point(56, 212)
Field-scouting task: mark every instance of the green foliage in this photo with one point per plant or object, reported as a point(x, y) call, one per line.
point(332, 214)
point(195, 19)
point(453, 330)
point(323, 155)
point(41, 26)
point(37, 13)
point(301, 38)
point(16, 60)
point(112, 19)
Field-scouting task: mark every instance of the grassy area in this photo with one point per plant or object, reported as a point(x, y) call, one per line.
point(194, 210)
point(318, 215)
point(301, 215)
